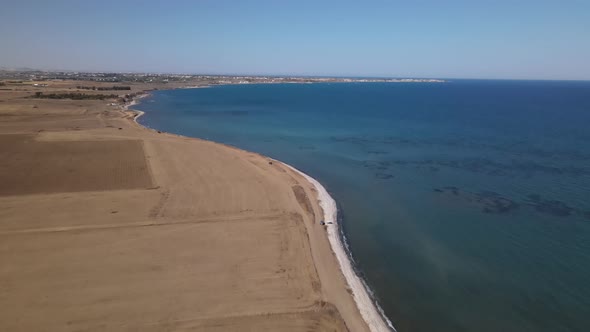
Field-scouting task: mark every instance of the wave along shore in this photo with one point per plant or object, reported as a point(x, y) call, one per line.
point(371, 312)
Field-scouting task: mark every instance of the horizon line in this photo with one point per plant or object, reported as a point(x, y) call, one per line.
point(25, 69)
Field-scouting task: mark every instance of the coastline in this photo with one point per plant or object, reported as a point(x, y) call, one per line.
point(134, 101)
point(366, 304)
point(155, 231)
point(108, 223)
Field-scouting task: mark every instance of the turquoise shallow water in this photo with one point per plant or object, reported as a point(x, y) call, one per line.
point(466, 204)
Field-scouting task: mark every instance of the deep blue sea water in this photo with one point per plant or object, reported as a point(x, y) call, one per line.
point(466, 204)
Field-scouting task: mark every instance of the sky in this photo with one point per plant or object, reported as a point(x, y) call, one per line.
point(517, 39)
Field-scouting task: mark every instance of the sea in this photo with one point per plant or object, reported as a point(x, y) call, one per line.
point(465, 204)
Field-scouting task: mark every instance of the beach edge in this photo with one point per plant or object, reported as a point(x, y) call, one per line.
point(366, 304)
point(370, 310)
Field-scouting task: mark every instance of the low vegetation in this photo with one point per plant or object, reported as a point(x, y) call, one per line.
point(74, 96)
point(106, 88)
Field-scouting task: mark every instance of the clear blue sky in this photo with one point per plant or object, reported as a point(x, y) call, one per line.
point(539, 39)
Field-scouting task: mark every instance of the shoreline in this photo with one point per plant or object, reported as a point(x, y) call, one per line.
point(198, 228)
point(372, 314)
point(366, 304)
